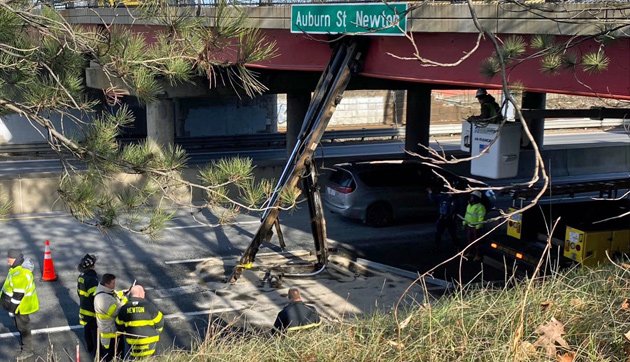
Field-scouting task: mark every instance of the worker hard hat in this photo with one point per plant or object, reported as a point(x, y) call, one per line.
point(476, 193)
point(87, 262)
point(481, 92)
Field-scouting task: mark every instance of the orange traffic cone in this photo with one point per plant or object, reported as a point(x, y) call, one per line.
point(48, 274)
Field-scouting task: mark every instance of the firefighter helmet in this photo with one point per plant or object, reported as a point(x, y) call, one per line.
point(87, 262)
point(481, 92)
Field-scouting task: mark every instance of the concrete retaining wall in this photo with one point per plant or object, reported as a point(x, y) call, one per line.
point(359, 108)
point(227, 115)
point(15, 129)
point(578, 161)
point(200, 117)
point(38, 192)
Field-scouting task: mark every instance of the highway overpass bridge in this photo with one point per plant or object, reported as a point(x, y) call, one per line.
point(446, 52)
point(443, 32)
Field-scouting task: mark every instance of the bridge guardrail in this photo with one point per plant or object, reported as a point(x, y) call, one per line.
point(550, 124)
point(584, 123)
point(278, 140)
point(27, 148)
point(72, 4)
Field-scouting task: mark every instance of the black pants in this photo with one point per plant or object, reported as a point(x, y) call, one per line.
point(472, 234)
point(446, 223)
point(23, 325)
point(89, 334)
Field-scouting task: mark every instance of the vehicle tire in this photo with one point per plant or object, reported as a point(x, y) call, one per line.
point(379, 214)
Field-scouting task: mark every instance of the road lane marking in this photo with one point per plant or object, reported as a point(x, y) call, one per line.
point(38, 216)
point(185, 289)
point(220, 261)
point(168, 316)
point(203, 312)
point(206, 226)
point(42, 331)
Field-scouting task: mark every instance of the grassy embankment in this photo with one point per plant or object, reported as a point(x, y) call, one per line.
point(473, 324)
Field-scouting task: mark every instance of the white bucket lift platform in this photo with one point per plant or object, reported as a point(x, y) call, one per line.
point(501, 159)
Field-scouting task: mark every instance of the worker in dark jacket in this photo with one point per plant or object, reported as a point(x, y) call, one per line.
point(296, 315)
point(447, 215)
point(490, 109)
point(141, 323)
point(86, 289)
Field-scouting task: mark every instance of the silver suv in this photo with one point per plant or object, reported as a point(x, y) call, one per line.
point(379, 192)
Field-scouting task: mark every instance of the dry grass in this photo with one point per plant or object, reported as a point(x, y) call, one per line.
point(475, 324)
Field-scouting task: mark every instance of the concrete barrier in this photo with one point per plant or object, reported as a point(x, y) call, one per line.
point(564, 162)
point(555, 163)
point(33, 193)
point(612, 158)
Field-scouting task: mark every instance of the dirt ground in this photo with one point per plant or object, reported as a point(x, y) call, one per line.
point(454, 106)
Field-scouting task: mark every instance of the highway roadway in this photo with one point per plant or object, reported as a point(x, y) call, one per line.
point(9, 168)
point(186, 296)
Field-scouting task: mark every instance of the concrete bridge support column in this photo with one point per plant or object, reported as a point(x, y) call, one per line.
point(180, 111)
point(297, 105)
point(418, 119)
point(161, 122)
point(533, 100)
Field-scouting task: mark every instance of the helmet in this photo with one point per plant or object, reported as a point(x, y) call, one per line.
point(87, 262)
point(481, 92)
point(476, 193)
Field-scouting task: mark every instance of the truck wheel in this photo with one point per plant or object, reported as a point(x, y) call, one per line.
point(379, 215)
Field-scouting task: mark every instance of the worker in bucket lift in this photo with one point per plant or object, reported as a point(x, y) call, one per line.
point(19, 298)
point(87, 282)
point(107, 304)
point(296, 315)
point(473, 220)
point(490, 109)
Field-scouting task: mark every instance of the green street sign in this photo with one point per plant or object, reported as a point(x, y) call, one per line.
point(364, 19)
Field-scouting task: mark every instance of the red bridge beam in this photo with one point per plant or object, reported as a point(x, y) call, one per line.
point(309, 53)
point(299, 52)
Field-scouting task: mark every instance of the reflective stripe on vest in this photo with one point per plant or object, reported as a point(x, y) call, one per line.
point(141, 323)
point(475, 215)
point(108, 335)
point(87, 293)
point(20, 288)
point(102, 316)
point(142, 353)
point(306, 326)
point(110, 313)
point(145, 340)
point(86, 312)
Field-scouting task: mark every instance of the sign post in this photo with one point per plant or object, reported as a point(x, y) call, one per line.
point(363, 19)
